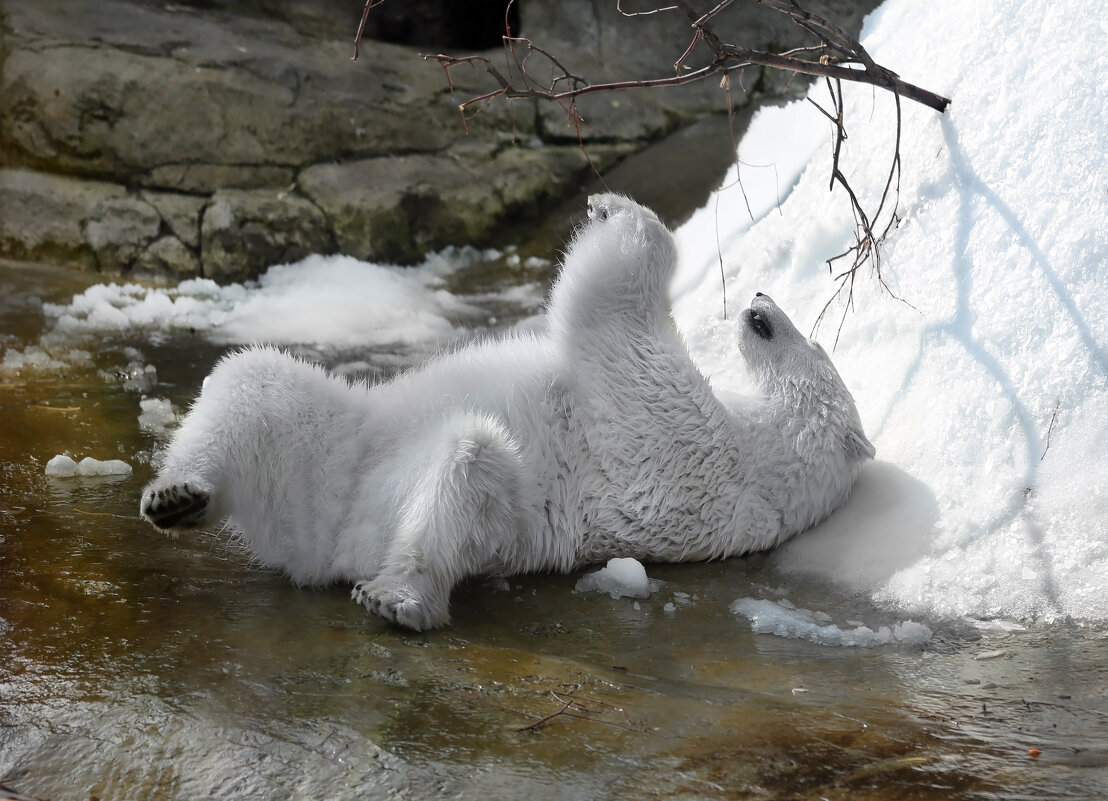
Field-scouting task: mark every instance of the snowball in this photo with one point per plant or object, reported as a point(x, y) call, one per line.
point(620, 578)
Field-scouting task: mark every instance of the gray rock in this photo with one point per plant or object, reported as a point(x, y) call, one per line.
point(91, 224)
point(167, 256)
point(244, 232)
point(181, 213)
point(41, 217)
point(119, 229)
point(400, 208)
point(175, 98)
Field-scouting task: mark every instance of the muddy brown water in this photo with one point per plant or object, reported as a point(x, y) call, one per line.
point(138, 666)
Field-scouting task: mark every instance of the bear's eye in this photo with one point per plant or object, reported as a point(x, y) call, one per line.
point(760, 325)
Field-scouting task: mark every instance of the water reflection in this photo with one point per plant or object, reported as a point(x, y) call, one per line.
point(136, 666)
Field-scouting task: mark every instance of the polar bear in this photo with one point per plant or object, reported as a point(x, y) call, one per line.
point(544, 451)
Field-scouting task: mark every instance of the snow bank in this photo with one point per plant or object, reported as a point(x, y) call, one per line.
point(620, 578)
point(984, 385)
point(785, 620)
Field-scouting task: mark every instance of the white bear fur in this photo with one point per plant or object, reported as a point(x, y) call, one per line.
point(536, 452)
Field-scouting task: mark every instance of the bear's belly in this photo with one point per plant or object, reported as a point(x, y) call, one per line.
point(675, 524)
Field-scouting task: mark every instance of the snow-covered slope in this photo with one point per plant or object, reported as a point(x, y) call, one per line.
point(985, 385)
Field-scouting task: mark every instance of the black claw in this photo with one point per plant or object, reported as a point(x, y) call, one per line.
point(172, 519)
point(171, 508)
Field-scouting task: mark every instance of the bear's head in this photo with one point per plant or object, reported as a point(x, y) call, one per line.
point(796, 370)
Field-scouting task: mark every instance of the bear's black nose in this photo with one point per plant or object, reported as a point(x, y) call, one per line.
point(759, 295)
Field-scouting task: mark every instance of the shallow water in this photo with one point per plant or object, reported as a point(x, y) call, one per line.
point(137, 666)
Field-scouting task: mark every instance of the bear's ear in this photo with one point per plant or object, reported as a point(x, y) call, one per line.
point(858, 446)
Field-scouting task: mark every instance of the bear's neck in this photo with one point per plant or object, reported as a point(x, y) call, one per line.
point(805, 425)
point(807, 399)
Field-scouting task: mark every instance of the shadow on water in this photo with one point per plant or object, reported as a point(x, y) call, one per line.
point(137, 666)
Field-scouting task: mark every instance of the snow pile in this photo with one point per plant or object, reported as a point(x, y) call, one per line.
point(322, 300)
point(981, 373)
point(785, 620)
point(62, 466)
point(620, 578)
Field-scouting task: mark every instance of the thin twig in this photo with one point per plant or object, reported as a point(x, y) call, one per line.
point(369, 4)
point(713, 13)
point(568, 702)
point(867, 240)
point(1050, 428)
point(619, 8)
point(545, 718)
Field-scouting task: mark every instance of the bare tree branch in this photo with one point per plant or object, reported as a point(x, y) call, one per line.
point(728, 57)
point(836, 56)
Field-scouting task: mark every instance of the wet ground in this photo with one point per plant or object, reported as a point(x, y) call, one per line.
point(137, 666)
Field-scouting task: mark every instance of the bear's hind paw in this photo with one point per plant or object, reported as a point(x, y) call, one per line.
point(399, 603)
point(175, 506)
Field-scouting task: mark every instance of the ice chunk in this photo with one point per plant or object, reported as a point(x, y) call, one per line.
point(94, 467)
point(620, 578)
point(157, 415)
point(34, 357)
point(785, 620)
point(61, 466)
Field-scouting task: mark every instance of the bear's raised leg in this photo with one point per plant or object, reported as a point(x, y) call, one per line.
point(459, 516)
point(182, 496)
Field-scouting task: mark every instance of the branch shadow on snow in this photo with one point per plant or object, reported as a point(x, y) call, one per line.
point(959, 329)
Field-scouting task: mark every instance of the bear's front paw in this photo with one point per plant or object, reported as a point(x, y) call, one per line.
point(171, 505)
point(598, 208)
point(400, 603)
point(609, 205)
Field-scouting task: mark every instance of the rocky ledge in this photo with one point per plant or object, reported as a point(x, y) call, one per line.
point(215, 139)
